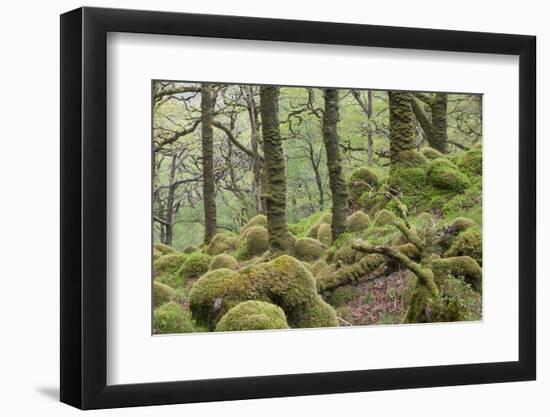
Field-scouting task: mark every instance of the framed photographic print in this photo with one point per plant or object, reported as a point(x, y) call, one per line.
point(258, 208)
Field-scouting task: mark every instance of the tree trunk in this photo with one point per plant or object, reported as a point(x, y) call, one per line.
point(257, 167)
point(369, 128)
point(401, 125)
point(435, 128)
point(336, 177)
point(209, 192)
point(274, 166)
point(168, 236)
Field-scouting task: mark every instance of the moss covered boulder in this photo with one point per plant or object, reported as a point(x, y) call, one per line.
point(431, 153)
point(384, 217)
point(162, 248)
point(461, 267)
point(317, 266)
point(471, 161)
point(444, 175)
point(345, 254)
point(256, 241)
point(162, 293)
point(283, 281)
point(360, 181)
point(324, 234)
point(468, 243)
point(223, 260)
point(259, 220)
point(253, 315)
point(222, 243)
point(168, 264)
point(190, 249)
point(460, 224)
point(194, 266)
point(170, 318)
point(357, 222)
point(308, 249)
point(314, 229)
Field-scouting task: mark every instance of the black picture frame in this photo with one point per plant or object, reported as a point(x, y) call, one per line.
point(84, 207)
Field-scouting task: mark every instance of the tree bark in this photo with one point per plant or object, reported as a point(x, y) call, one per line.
point(209, 191)
point(401, 125)
point(435, 128)
point(257, 162)
point(168, 236)
point(274, 166)
point(369, 128)
point(334, 164)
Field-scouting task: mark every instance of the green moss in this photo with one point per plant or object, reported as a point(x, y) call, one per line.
point(223, 260)
point(194, 266)
point(471, 162)
point(316, 314)
point(162, 293)
point(256, 241)
point(460, 224)
point(461, 267)
point(384, 217)
point(462, 302)
point(326, 218)
point(361, 180)
point(190, 249)
point(357, 222)
point(342, 295)
point(259, 220)
point(468, 243)
point(470, 199)
point(409, 250)
point(324, 234)
point(444, 175)
point(156, 254)
point(424, 307)
point(345, 254)
point(308, 249)
point(168, 264)
point(317, 266)
point(411, 158)
point(170, 318)
point(222, 243)
point(164, 249)
point(253, 315)
point(431, 153)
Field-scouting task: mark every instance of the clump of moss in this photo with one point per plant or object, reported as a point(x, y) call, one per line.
point(462, 302)
point(190, 249)
point(308, 249)
point(258, 220)
point(194, 266)
point(411, 159)
point(314, 229)
point(342, 295)
point(256, 241)
point(357, 222)
point(170, 318)
point(222, 243)
point(460, 224)
point(468, 243)
point(317, 266)
point(471, 161)
point(284, 281)
point(431, 153)
point(470, 199)
point(162, 293)
point(462, 267)
point(361, 180)
point(345, 254)
point(324, 234)
point(253, 315)
point(168, 264)
point(223, 260)
point(444, 175)
point(164, 249)
point(384, 217)
point(156, 254)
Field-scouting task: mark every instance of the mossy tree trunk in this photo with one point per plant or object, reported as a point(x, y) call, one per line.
point(334, 164)
point(435, 125)
point(274, 166)
point(209, 191)
point(401, 125)
point(254, 141)
point(366, 106)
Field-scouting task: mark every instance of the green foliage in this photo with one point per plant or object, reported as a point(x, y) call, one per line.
point(460, 267)
point(162, 293)
point(309, 227)
point(170, 318)
point(223, 260)
point(253, 315)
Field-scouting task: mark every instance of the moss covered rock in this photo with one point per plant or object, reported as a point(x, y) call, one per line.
point(162, 293)
point(324, 219)
point(170, 318)
point(162, 248)
point(342, 295)
point(308, 249)
point(223, 260)
point(471, 162)
point(431, 153)
point(357, 222)
point(460, 224)
point(190, 249)
point(259, 220)
point(317, 266)
point(156, 254)
point(384, 217)
point(411, 158)
point(461, 267)
point(345, 254)
point(194, 266)
point(470, 199)
point(468, 243)
point(256, 241)
point(360, 181)
point(168, 264)
point(253, 315)
point(324, 234)
point(444, 175)
point(222, 243)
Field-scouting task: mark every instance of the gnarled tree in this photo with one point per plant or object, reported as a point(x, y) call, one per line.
point(401, 125)
point(334, 163)
point(433, 125)
point(209, 190)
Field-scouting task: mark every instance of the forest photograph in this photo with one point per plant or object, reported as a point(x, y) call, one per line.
point(292, 207)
